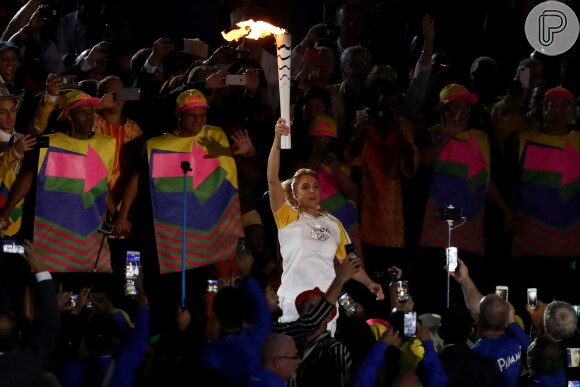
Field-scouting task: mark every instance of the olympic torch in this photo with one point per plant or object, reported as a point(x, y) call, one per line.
point(255, 30)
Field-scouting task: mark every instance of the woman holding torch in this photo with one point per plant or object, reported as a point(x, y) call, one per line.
point(310, 238)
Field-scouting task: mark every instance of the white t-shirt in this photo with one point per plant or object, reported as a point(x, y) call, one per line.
point(308, 246)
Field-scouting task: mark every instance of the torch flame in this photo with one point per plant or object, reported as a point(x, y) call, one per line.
point(253, 30)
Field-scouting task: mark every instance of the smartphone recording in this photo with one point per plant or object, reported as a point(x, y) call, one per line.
point(410, 324)
point(236, 79)
point(402, 291)
point(72, 302)
point(212, 286)
point(127, 94)
point(405, 323)
point(502, 292)
point(451, 253)
point(106, 228)
point(347, 303)
point(573, 357)
point(12, 246)
point(133, 261)
point(532, 297)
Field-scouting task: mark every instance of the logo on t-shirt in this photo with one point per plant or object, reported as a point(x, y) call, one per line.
point(319, 232)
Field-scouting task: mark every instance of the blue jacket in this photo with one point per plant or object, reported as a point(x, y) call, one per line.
point(506, 352)
point(265, 378)
point(367, 373)
point(127, 360)
point(238, 355)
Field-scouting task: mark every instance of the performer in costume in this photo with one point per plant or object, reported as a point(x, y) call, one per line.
point(548, 194)
point(460, 174)
point(72, 180)
point(213, 211)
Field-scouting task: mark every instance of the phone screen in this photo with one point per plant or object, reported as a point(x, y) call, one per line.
point(131, 272)
point(128, 94)
point(533, 297)
point(347, 302)
point(573, 357)
point(73, 300)
point(242, 248)
point(133, 262)
point(502, 292)
point(451, 258)
point(12, 246)
point(106, 228)
point(402, 291)
point(410, 324)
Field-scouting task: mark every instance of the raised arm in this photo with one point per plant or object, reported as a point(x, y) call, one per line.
point(275, 190)
point(20, 18)
point(470, 292)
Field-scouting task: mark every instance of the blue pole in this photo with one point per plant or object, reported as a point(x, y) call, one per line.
point(183, 240)
point(185, 166)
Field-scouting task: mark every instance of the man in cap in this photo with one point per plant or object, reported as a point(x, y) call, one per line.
point(458, 159)
point(200, 154)
point(327, 361)
point(547, 182)
point(191, 111)
point(78, 109)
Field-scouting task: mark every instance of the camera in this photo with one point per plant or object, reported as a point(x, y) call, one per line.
point(449, 213)
point(402, 291)
point(106, 228)
point(132, 262)
point(350, 251)
point(532, 297)
point(237, 79)
point(405, 323)
point(212, 286)
point(127, 94)
point(242, 248)
point(410, 324)
point(330, 32)
point(347, 303)
point(49, 13)
point(573, 357)
point(73, 300)
point(68, 81)
point(12, 246)
point(502, 292)
point(451, 253)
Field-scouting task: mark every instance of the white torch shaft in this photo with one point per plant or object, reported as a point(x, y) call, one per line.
point(283, 50)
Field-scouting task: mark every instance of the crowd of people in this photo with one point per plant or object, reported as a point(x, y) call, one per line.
point(404, 143)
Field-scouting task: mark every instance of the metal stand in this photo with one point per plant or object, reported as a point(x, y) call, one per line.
point(185, 167)
point(99, 253)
